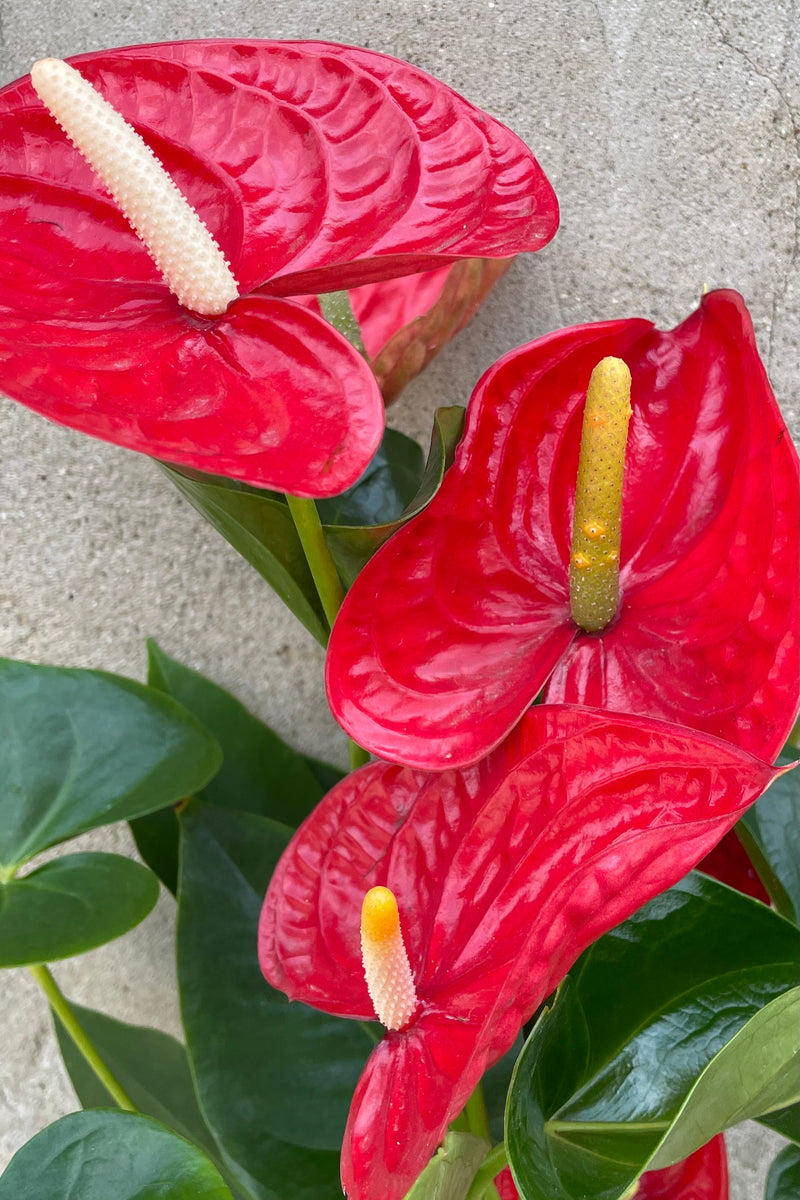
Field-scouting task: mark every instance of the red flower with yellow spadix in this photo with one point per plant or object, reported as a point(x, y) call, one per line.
point(247, 172)
point(474, 607)
point(491, 881)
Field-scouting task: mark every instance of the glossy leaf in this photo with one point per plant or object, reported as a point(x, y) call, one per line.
point(785, 1121)
point(151, 1066)
point(388, 485)
point(504, 873)
point(783, 1180)
point(274, 1079)
point(268, 141)
point(352, 546)
point(72, 905)
point(770, 831)
point(260, 526)
point(259, 773)
point(79, 749)
point(457, 624)
point(672, 1027)
point(701, 1176)
point(95, 1155)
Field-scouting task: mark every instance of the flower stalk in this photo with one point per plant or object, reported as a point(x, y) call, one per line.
point(61, 1007)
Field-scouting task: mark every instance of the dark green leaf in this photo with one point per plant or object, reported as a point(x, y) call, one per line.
point(157, 838)
point(259, 525)
point(80, 749)
point(259, 773)
point(451, 1170)
point(72, 905)
point(631, 1067)
point(495, 1085)
point(151, 1066)
point(783, 1180)
point(353, 545)
point(99, 1155)
point(387, 487)
point(770, 832)
point(786, 1122)
point(274, 1079)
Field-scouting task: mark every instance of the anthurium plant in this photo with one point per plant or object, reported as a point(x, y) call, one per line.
point(481, 964)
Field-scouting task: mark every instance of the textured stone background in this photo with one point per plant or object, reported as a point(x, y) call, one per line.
point(669, 130)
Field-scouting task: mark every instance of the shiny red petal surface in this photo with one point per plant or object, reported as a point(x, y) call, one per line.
point(504, 872)
point(702, 1176)
point(707, 630)
point(316, 167)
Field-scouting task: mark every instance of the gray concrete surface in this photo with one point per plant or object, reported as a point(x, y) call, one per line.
point(669, 129)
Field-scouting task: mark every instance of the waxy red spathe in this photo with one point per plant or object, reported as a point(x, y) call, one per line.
point(463, 617)
point(316, 167)
point(504, 872)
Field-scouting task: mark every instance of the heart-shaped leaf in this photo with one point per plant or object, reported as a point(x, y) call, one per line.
point(770, 832)
point(631, 1067)
point(80, 749)
point(783, 1180)
point(259, 774)
point(96, 1155)
point(72, 905)
point(274, 1079)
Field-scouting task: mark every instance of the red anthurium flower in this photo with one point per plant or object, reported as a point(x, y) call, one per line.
point(503, 873)
point(701, 1176)
point(315, 168)
point(479, 616)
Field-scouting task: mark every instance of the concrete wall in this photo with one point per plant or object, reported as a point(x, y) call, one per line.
point(669, 130)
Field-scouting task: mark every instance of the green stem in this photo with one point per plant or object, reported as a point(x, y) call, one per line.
point(317, 552)
point(60, 1006)
point(482, 1186)
point(476, 1114)
point(358, 755)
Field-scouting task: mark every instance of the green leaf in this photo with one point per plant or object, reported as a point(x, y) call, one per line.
point(783, 1180)
point(274, 1080)
point(630, 1067)
point(259, 773)
point(151, 1066)
point(353, 545)
point(80, 749)
point(785, 1121)
point(451, 1170)
point(72, 905)
point(770, 833)
point(259, 525)
point(98, 1155)
point(388, 485)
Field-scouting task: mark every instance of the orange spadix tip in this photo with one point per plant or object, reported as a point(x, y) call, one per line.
point(380, 919)
point(388, 975)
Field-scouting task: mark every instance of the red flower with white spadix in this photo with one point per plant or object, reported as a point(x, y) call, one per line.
point(310, 168)
point(487, 597)
point(491, 881)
